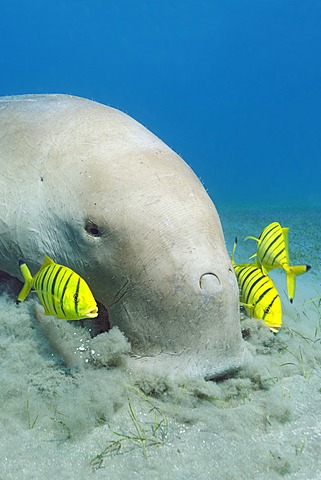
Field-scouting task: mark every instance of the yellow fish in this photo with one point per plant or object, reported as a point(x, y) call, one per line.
point(61, 291)
point(273, 252)
point(258, 294)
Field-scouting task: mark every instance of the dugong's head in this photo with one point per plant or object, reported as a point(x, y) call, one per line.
point(104, 196)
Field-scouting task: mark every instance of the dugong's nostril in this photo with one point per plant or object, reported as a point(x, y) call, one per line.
point(209, 282)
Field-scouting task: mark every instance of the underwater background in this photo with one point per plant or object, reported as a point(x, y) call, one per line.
point(234, 88)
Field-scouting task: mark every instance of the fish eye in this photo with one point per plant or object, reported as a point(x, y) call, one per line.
point(76, 297)
point(92, 229)
point(267, 310)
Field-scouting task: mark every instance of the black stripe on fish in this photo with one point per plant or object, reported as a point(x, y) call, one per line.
point(270, 246)
point(267, 309)
point(44, 297)
point(251, 271)
point(53, 285)
point(253, 276)
point(36, 286)
point(43, 276)
point(61, 281)
point(63, 293)
point(260, 279)
point(267, 233)
point(76, 296)
point(50, 298)
point(263, 295)
point(36, 282)
point(250, 278)
point(272, 255)
point(279, 253)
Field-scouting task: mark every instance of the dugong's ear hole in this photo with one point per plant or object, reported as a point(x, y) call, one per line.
point(92, 229)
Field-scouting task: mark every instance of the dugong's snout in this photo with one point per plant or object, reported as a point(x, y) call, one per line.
point(200, 334)
point(215, 344)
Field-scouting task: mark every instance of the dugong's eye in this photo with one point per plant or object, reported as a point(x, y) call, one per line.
point(92, 229)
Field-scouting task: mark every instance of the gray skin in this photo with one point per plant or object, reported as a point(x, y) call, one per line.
point(97, 192)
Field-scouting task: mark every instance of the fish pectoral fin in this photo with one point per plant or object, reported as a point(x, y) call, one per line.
point(52, 297)
point(247, 305)
point(251, 238)
point(264, 270)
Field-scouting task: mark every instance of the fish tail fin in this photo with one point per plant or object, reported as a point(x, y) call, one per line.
point(233, 251)
point(291, 274)
point(28, 282)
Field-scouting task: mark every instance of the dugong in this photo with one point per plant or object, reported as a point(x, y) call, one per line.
point(96, 191)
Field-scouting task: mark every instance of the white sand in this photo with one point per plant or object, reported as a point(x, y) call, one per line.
point(63, 394)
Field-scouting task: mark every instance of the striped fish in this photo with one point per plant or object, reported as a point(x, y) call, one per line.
point(258, 294)
point(273, 252)
point(61, 291)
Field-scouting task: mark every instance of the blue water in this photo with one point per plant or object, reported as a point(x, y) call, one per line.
point(232, 86)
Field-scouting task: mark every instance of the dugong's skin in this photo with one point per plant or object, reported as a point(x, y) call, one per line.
point(96, 191)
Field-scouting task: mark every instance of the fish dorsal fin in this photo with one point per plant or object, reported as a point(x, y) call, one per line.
point(233, 251)
point(47, 262)
point(285, 232)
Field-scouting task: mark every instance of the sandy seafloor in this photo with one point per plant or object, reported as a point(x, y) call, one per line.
point(66, 397)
